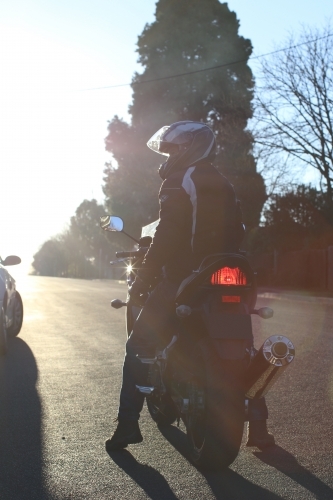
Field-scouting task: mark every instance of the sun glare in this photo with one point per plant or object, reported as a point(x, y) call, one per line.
point(51, 134)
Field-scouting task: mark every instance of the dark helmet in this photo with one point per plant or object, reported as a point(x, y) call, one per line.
point(185, 143)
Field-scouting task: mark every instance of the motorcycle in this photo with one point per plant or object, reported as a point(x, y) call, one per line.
point(206, 375)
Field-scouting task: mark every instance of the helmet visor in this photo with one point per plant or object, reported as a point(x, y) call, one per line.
point(155, 141)
point(167, 140)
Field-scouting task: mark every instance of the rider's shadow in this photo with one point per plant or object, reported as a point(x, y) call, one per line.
point(286, 463)
point(148, 478)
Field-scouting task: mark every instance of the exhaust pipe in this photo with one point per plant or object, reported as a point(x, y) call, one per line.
point(267, 366)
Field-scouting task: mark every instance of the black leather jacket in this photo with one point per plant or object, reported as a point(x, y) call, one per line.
point(199, 215)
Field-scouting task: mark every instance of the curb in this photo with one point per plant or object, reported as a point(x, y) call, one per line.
point(298, 298)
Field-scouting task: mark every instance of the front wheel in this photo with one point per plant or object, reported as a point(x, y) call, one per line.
point(162, 409)
point(215, 427)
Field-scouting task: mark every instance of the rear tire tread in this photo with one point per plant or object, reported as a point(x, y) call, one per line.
point(223, 421)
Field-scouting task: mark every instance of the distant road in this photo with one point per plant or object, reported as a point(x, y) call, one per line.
point(59, 390)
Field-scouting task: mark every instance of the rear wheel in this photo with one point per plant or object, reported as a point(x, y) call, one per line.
point(215, 427)
point(3, 333)
point(16, 326)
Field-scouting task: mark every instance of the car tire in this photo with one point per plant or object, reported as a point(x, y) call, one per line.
point(3, 333)
point(16, 326)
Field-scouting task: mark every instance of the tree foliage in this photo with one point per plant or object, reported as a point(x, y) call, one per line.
point(186, 37)
point(295, 103)
point(84, 228)
point(51, 259)
point(81, 251)
point(297, 219)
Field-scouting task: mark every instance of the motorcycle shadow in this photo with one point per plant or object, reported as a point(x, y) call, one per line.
point(285, 462)
point(226, 484)
point(148, 478)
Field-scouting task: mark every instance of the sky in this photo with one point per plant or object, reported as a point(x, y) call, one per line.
point(52, 128)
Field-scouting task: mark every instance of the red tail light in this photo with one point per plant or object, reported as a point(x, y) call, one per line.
point(228, 276)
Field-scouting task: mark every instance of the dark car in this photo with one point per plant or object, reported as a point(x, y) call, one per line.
point(11, 306)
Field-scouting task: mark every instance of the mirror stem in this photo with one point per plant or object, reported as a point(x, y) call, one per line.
point(136, 241)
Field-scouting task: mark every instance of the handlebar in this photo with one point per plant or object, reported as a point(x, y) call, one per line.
point(135, 253)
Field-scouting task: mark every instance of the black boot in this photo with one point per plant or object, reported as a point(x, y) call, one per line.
point(258, 434)
point(127, 432)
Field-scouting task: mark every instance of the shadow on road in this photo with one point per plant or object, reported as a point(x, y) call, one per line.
point(226, 485)
point(286, 463)
point(149, 479)
point(20, 425)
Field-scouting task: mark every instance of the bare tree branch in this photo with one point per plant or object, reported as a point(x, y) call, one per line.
point(294, 105)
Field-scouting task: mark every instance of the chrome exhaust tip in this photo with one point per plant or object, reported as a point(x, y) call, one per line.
point(278, 350)
point(268, 364)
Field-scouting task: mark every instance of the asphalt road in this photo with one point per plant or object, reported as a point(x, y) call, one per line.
point(59, 388)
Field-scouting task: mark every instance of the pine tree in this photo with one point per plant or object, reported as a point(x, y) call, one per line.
point(186, 37)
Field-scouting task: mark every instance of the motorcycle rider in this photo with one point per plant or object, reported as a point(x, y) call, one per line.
point(199, 215)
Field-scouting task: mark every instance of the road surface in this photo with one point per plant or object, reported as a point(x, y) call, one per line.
point(59, 388)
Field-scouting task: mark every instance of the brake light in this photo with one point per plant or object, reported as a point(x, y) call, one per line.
point(228, 276)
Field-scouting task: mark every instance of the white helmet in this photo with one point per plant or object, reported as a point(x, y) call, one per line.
point(185, 143)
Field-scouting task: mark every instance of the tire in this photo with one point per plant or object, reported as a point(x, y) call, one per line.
point(162, 410)
point(215, 431)
point(15, 328)
point(3, 333)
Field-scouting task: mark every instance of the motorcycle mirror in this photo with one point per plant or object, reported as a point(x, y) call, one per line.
point(11, 260)
point(111, 223)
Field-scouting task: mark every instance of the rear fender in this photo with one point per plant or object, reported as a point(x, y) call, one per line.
point(230, 349)
point(226, 325)
point(230, 356)
point(230, 330)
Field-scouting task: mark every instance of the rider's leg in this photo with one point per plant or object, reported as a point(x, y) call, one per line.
point(148, 330)
point(258, 434)
point(151, 325)
point(257, 415)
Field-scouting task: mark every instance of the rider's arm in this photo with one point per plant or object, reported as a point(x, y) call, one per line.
point(174, 226)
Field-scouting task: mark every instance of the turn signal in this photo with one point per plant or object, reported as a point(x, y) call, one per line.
point(228, 276)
